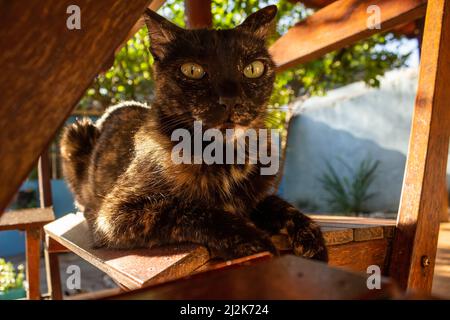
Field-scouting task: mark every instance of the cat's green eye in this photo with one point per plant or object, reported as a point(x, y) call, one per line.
point(254, 69)
point(192, 70)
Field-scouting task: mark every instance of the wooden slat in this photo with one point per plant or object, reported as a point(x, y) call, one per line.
point(388, 225)
point(217, 264)
point(421, 201)
point(338, 25)
point(198, 14)
point(45, 70)
point(352, 242)
point(132, 268)
point(45, 187)
point(33, 258)
point(52, 269)
point(353, 255)
point(26, 219)
point(363, 228)
point(361, 232)
point(357, 256)
point(286, 277)
point(95, 295)
point(154, 5)
point(444, 194)
point(332, 236)
point(314, 3)
point(355, 220)
point(340, 229)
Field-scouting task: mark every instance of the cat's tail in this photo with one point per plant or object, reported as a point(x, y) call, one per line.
point(77, 142)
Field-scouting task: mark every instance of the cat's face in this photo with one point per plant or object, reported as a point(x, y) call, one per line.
point(223, 78)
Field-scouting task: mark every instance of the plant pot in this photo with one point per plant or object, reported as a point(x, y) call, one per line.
point(13, 294)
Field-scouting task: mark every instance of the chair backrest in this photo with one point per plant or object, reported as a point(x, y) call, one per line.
point(424, 194)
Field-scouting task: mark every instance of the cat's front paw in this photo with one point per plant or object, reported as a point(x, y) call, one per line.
point(249, 247)
point(307, 239)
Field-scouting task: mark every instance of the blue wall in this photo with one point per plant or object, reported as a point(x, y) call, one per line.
point(13, 242)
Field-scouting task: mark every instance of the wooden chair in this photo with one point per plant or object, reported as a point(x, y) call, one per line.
point(32, 221)
point(405, 249)
point(353, 243)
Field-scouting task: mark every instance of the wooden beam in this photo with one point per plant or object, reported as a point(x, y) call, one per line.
point(285, 278)
point(26, 219)
point(198, 14)
point(338, 25)
point(415, 243)
point(52, 269)
point(33, 259)
point(45, 70)
point(45, 187)
point(314, 3)
point(443, 217)
point(154, 5)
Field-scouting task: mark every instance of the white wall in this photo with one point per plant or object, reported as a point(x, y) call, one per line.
point(352, 123)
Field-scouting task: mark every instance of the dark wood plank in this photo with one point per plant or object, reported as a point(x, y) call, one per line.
point(52, 269)
point(95, 295)
point(353, 255)
point(33, 258)
point(45, 187)
point(154, 5)
point(338, 25)
point(286, 277)
point(47, 71)
point(131, 268)
point(357, 256)
point(26, 219)
point(444, 194)
point(332, 236)
point(316, 4)
point(216, 264)
point(198, 14)
point(388, 225)
point(415, 244)
point(352, 220)
point(361, 232)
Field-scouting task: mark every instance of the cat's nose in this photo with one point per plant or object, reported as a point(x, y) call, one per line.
point(229, 102)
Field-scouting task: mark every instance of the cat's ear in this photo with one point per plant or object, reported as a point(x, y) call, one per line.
point(161, 33)
point(260, 22)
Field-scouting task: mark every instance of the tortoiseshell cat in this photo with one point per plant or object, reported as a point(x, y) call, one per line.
point(120, 168)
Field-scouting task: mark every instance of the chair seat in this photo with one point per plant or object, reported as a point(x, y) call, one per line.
point(354, 243)
point(131, 268)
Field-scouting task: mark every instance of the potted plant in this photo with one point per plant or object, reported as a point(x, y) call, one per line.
point(11, 281)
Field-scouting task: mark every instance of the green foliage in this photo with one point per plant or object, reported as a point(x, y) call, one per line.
point(131, 76)
point(349, 194)
point(9, 277)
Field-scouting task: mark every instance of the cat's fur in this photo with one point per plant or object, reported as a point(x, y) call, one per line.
point(120, 168)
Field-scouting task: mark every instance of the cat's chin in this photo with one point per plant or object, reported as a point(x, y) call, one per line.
point(228, 125)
